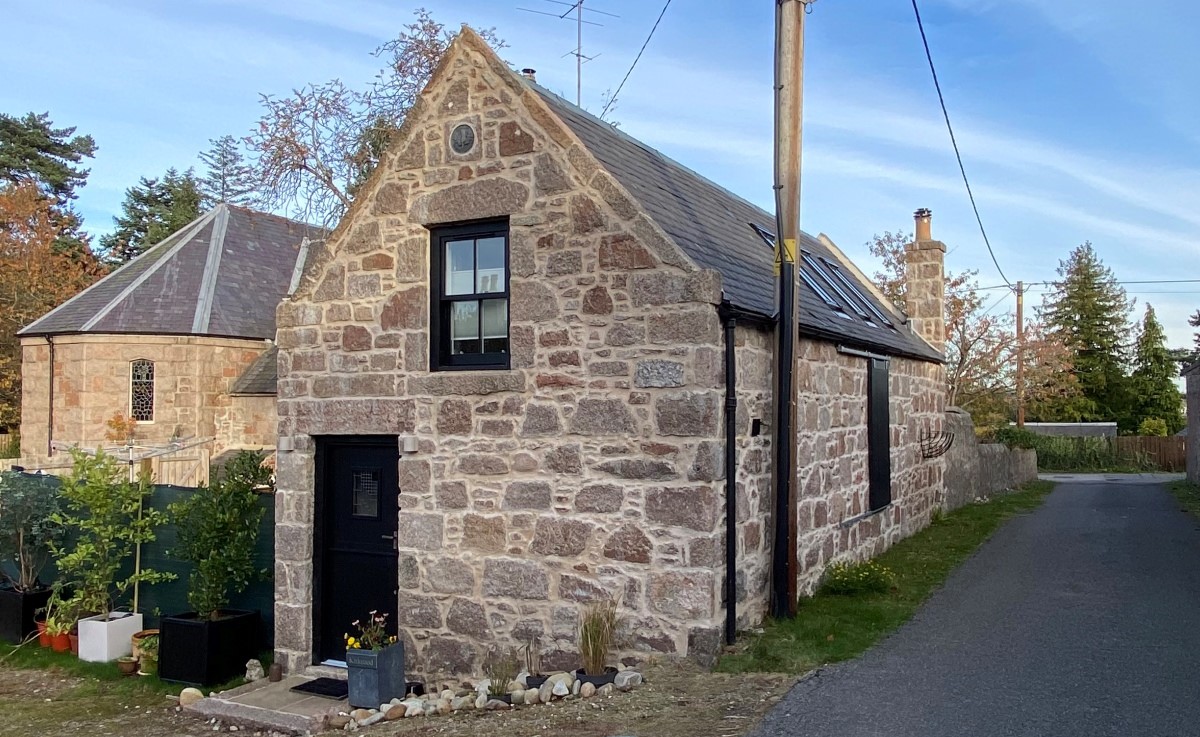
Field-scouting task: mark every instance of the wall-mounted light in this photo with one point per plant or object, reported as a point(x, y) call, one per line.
point(408, 444)
point(285, 444)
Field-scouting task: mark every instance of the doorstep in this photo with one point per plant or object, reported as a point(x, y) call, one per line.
point(267, 705)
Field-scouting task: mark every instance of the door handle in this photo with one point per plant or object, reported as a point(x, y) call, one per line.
point(395, 546)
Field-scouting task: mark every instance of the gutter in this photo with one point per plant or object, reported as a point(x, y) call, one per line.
point(729, 321)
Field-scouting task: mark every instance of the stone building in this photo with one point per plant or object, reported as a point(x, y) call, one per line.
point(1191, 377)
point(176, 339)
point(531, 310)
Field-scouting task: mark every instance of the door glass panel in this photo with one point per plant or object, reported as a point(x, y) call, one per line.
point(489, 254)
point(460, 267)
point(365, 498)
point(495, 326)
point(464, 327)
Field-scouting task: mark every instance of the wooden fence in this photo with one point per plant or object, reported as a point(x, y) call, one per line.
point(1168, 454)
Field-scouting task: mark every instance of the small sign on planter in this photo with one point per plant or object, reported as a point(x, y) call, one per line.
point(375, 676)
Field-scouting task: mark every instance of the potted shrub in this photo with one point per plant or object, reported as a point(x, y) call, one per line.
point(374, 663)
point(596, 630)
point(28, 509)
point(59, 629)
point(217, 529)
point(148, 660)
point(501, 668)
point(533, 664)
point(104, 515)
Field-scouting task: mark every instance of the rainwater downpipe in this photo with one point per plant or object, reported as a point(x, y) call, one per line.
point(731, 403)
point(50, 404)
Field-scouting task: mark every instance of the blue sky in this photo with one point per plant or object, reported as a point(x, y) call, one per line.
point(1076, 118)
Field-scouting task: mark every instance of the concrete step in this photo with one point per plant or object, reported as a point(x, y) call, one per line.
point(271, 706)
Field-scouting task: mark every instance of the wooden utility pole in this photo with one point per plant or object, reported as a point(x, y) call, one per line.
point(1020, 354)
point(789, 87)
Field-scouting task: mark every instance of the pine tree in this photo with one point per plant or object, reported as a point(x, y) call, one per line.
point(152, 210)
point(1153, 380)
point(1088, 312)
point(229, 178)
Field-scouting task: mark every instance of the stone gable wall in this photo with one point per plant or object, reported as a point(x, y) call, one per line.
point(589, 470)
point(192, 378)
point(832, 457)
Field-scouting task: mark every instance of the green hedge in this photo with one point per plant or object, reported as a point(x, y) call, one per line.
point(1079, 455)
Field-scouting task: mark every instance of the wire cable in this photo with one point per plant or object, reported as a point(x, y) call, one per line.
point(937, 85)
point(613, 99)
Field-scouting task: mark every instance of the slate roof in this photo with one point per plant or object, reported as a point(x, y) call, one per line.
point(713, 227)
point(221, 275)
point(259, 377)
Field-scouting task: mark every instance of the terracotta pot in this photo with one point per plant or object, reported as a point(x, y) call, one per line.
point(43, 636)
point(127, 666)
point(136, 641)
point(60, 643)
point(74, 643)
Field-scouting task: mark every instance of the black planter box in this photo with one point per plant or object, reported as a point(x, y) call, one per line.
point(16, 613)
point(204, 652)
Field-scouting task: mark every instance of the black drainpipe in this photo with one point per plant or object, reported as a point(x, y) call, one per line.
point(731, 403)
point(50, 404)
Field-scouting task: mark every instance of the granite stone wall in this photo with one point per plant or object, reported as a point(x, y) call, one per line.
point(588, 471)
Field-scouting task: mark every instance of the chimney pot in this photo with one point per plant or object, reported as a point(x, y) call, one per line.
point(530, 74)
point(922, 217)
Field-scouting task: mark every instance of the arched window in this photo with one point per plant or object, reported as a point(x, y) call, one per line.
point(141, 390)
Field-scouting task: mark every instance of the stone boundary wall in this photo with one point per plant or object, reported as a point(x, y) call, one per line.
point(977, 470)
point(1193, 427)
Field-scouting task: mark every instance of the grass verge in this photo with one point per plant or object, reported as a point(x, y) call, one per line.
point(30, 656)
point(1188, 495)
point(831, 627)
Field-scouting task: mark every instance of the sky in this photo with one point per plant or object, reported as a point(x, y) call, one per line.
point(1076, 119)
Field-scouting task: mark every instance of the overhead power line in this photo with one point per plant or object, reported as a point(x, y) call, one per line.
point(637, 58)
point(937, 85)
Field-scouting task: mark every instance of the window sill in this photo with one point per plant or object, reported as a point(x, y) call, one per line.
point(865, 515)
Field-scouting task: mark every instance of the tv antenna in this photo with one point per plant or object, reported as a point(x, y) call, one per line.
point(577, 8)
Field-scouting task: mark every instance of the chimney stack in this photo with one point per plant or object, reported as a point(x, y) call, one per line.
point(925, 276)
point(530, 74)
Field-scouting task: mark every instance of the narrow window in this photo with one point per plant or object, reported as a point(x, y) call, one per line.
point(141, 390)
point(470, 296)
point(879, 443)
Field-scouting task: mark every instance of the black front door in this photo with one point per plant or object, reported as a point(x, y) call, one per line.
point(357, 508)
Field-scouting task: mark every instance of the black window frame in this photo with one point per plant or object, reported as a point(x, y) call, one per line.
point(879, 434)
point(440, 356)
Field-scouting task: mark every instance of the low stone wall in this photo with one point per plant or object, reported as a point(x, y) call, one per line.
point(977, 471)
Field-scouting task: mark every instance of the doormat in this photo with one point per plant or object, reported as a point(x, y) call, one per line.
point(330, 688)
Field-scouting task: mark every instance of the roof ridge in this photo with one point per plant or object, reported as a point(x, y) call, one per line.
point(277, 216)
point(212, 267)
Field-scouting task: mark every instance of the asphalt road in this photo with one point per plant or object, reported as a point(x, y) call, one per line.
point(1082, 618)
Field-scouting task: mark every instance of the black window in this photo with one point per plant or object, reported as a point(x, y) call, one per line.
point(879, 441)
point(141, 390)
point(469, 284)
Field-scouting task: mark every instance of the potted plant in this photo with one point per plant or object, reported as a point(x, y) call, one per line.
point(501, 668)
point(28, 508)
point(374, 663)
point(148, 661)
point(533, 664)
point(105, 516)
point(217, 529)
point(596, 630)
point(127, 665)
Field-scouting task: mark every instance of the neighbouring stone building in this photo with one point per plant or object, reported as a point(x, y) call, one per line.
point(530, 310)
point(1191, 377)
point(178, 339)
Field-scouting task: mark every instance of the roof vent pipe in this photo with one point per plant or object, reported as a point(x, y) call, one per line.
point(530, 74)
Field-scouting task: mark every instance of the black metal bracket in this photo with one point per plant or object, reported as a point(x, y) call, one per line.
point(935, 444)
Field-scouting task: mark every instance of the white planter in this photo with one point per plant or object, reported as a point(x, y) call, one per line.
point(107, 637)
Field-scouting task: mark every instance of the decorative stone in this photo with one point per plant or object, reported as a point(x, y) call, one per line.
point(495, 705)
point(458, 703)
point(443, 706)
point(627, 679)
point(481, 700)
point(189, 696)
point(532, 696)
point(397, 711)
point(588, 690)
point(545, 692)
point(373, 719)
point(605, 690)
point(514, 579)
point(629, 544)
point(416, 710)
point(340, 721)
point(359, 715)
point(602, 417)
point(517, 695)
point(560, 688)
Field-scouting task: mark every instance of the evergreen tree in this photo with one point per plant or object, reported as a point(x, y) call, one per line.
point(33, 150)
point(152, 210)
point(1153, 380)
point(229, 178)
point(1088, 312)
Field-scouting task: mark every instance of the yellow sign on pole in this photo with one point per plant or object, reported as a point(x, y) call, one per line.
point(785, 253)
